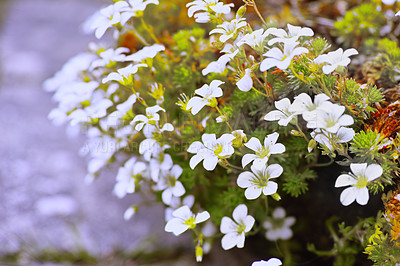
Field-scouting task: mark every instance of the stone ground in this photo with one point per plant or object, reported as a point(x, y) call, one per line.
point(44, 202)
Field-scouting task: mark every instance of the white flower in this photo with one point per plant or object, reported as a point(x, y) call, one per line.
point(255, 39)
point(282, 60)
point(107, 17)
point(136, 7)
point(270, 262)
point(343, 135)
point(151, 117)
point(170, 184)
point(260, 158)
point(208, 93)
point(294, 33)
point(96, 109)
point(398, 13)
point(335, 59)
point(221, 118)
point(127, 177)
point(330, 117)
point(124, 75)
point(246, 82)
point(146, 52)
point(211, 150)
point(277, 226)
point(130, 212)
point(70, 72)
point(235, 229)
point(176, 203)
point(259, 180)
point(109, 56)
point(219, 66)
point(228, 29)
point(358, 180)
point(207, 6)
point(303, 104)
point(284, 114)
point(184, 219)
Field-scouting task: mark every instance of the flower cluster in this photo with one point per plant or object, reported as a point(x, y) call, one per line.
point(241, 87)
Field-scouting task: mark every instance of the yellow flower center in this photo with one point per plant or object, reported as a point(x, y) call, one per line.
point(361, 182)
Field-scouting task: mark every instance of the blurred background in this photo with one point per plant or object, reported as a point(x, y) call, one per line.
point(48, 215)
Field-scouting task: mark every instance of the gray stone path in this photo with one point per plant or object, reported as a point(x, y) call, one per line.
point(44, 201)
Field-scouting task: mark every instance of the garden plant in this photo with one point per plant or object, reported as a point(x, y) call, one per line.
point(280, 129)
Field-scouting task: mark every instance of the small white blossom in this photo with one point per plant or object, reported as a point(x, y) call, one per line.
point(151, 117)
point(270, 262)
point(208, 94)
point(219, 66)
point(184, 219)
point(127, 177)
point(110, 56)
point(284, 114)
point(303, 104)
point(124, 75)
point(246, 82)
point(221, 118)
point(330, 117)
point(107, 17)
point(176, 203)
point(70, 72)
point(170, 185)
point(228, 29)
point(335, 59)
point(358, 180)
point(146, 52)
point(293, 34)
point(255, 39)
point(262, 153)
point(343, 135)
point(259, 180)
point(278, 226)
point(235, 229)
point(279, 59)
point(135, 7)
point(207, 6)
point(211, 150)
point(97, 109)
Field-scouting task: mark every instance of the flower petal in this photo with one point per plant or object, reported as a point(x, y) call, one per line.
point(373, 171)
point(270, 188)
point(358, 169)
point(244, 180)
point(227, 225)
point(348, 196)
point(362, 196)
point(247, 158)
point(252, 192)
point(254, 144)
point(345, 180)
point(230, 240)
point(239, 213)
point(201, 217)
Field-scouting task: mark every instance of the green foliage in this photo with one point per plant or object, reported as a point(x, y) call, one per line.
point(319, 45)
point(184, 38)
point(360, 97)
point(359, 23)
point(347, 240)
point(295, 183)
